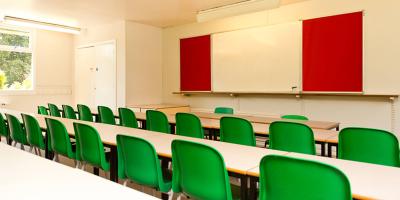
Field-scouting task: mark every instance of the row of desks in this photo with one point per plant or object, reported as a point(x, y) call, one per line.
point(26, 176)
point(367, 180)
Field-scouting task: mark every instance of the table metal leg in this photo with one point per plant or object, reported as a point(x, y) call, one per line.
point(253, 188)
point(113, 164)
point(243, 187)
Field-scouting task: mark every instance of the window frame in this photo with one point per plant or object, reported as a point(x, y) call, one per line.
point(31, 49)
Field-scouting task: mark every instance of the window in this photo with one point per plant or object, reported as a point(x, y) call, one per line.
point(16, 71)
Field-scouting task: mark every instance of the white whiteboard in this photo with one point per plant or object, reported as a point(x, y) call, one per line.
point(262, 59)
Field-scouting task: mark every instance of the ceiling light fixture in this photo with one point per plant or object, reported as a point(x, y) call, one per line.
point(243, 7)
point(40, 25)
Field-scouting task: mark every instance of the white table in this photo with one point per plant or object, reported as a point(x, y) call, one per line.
point(26, 176)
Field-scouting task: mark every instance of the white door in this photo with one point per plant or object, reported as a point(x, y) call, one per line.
point(95, 75)
point(85, 65)
point(106, 80)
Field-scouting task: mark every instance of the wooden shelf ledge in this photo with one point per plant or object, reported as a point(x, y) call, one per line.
point(297, 94)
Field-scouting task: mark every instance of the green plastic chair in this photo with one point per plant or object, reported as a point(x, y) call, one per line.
point(157, 121)
point(138, 162)
point(223, 110)
point(59, 140)
point(188, 125)
point(297, 117)
point(237, 130)
point(54, 111)
point(369, 145)
point(189, 161)
point(89, 147)
point(293, 137)
point(69, 112)
point(42, 110)
point(34, 134)
point(3, 128)
point(16, 131)
point(106, 115)
point(285, 178)
point(84, 113)
point(127, 118)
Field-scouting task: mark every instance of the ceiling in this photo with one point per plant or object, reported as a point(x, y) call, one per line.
point(161, 13)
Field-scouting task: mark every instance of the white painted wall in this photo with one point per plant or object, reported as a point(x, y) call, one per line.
point(53, 64)
point(143, 64)
point(381, 68)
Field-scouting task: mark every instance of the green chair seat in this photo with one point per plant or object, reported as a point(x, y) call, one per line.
point(3, 127)
point(223, 110)
point(127, 118)
point(237, 130)
point(199, 171)
point(157, 121)
point(16, 131)
point(138, 162)
point(84, 113)
point(106, 115)
point(42, 110)
point(293, 137)
point(369, 145)
point(59, 140)
point(297, 117)
point(188, 125)
point(33, 132)
point(54, 111)
point(89, 147)
point(69, 112)
point(286, 178)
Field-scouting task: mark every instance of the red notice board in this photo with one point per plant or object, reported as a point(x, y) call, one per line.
point(196, 63)
point(333, 53)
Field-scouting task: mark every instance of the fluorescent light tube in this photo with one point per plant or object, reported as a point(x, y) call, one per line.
point(40, 25)
point(242, 7)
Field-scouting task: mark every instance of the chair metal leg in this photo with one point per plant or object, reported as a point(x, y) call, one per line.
point(31, 149)
point(55, 158)
point(170, 194)
point(15, 144)
point(125, 182)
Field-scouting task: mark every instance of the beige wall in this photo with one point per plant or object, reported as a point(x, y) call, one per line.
point(53, 69)
point(381, 69)
point(143, 64)
point(106, 32)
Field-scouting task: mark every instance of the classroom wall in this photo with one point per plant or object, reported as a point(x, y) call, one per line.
point(143, 64)
point(53, 61)
point(381, 69)
point(106, 32)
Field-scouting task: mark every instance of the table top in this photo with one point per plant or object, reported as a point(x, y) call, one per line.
point(157, 106)
point(26, 176)
point(367, 181)
point(269, 120)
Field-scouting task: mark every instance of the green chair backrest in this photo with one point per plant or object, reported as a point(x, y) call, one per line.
point(223, 110)
point(293, 137)
point(59, 139)
point(69, 112)
point(90, 147)
point(369, 145)
point(138, 161)
point(199, 171)
point(298, 117)
point(237, 130)
point(33, 131)
point(54, 111)
point(42, 110)
point(106, 115)
point(285, 178)
point(84, 113)
point(188, 125)
point(15, 129)
point(157, 121)
point(3, 126)
point(127, 118)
